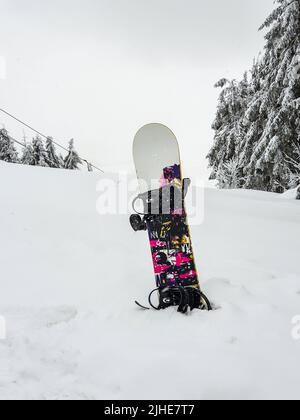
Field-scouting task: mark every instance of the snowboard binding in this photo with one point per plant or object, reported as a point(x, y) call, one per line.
point(137, 223)
point(185, 298)
point(165, 200)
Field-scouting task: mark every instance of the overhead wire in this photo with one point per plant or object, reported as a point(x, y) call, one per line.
point(47, 137)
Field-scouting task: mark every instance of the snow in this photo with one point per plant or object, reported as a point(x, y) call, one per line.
point(69, 278)
point(292, 194)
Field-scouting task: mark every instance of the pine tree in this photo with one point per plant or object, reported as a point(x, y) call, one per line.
point(52, 159)
point(27, 157)
point(259, 127)
point(39, 152)
point(229, 174)
point(8, 152)
point(279, 100)
point(72, 160)
point(229, 127)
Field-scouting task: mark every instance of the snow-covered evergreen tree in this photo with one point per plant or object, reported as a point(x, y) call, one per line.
point(27, 157)
point(53, 160)
point(72, 160)
point(264, 133)
point(229, 174)
point(37, 154)
point(40, 155)
point(279, 99)
point(8, 151)
point(229, 126)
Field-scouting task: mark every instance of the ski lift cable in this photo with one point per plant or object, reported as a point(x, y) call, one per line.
point(46, 137)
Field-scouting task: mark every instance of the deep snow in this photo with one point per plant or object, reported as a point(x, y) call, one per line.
point(69, 278)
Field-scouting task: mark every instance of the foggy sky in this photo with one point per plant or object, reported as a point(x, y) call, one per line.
point(97, 70)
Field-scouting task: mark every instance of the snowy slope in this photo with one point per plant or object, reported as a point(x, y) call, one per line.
point(292, 194)
point(69, 278)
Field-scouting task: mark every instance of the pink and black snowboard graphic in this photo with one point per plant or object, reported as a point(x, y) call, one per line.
point(169, 235)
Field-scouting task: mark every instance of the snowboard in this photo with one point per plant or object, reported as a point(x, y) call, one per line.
point(163, 215)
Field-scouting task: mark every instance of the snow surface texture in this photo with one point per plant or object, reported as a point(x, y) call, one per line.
point(293, 193)
point(69, 278)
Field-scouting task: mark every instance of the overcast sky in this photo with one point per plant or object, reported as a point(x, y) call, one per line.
point(97, 70)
